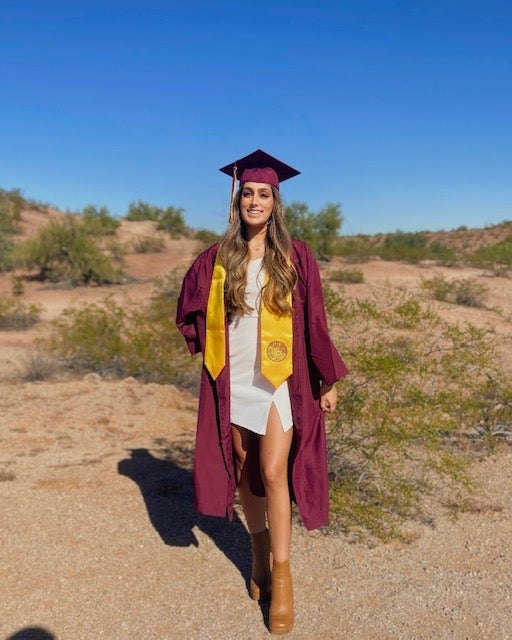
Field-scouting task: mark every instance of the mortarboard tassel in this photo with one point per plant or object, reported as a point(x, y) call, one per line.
point(233, 192)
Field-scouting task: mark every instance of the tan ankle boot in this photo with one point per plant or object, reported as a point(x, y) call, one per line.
point(281, 605)
point(260, 583)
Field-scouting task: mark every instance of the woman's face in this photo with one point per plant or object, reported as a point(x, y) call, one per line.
point(256, 204)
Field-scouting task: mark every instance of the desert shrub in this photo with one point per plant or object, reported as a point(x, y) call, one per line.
point(355, 248)
point(115, 250)
point(63, 251)
point(149, 244)
point(6, 248)
point(98, 222)
point(349, 276)
point(172, 221)
point(417, 397)
point(16, 315)
point(319, 230)
point(10, 210)
point(38, 366)
point(17, 285)
point(495, 256)
point(441, 254)
point(464, 291)
point(438, 287)
point(139, 341)
point(11, 204)
point(411, 247)
point(8, 223)
point(140, 210)
point(206, 237)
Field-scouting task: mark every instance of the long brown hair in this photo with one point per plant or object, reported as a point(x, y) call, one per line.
point(234, 255)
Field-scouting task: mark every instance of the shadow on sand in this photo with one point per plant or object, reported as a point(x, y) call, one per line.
point(167, 489)
point(31, 633)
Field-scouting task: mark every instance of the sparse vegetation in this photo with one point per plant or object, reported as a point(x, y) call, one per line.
point(410, 414)
point(138, 211)
point(98, 221)
point(206, 237)
point(15, 315)
point(170, 219)
point(411, 247)
point(10, 211)
point(63, 251)
point(38, 366)
point(349, 276)
point(464, 291)
point(319, 230)
point(111, 339)
point(497, 257)
point(148, 244)
point(17, 285)
point(355, 249)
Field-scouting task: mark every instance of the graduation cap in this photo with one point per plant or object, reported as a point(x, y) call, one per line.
point(259, 166)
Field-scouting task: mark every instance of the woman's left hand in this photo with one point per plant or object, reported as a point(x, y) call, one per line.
point(328, 397)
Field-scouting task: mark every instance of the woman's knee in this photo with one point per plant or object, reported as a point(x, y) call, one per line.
point(274, 474)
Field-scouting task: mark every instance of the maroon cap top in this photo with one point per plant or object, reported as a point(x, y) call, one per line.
point(259, 166)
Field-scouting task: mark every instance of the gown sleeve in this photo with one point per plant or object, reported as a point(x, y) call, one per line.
point(322, 352)
point(190, 305)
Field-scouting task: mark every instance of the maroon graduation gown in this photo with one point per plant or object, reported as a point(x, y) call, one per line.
point(314, 359)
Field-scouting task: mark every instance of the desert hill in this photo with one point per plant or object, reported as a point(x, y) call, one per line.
point(141, 270)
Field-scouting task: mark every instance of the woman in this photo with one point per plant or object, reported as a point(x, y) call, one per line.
point(253, 305)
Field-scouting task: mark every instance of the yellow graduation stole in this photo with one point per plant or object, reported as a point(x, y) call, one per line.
point(276, 335)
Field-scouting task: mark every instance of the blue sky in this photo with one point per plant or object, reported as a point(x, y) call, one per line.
point(400, 111)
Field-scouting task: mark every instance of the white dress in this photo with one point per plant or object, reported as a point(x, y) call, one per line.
point(252, 394)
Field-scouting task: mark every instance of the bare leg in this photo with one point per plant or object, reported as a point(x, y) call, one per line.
point(274, 451)
point(246, 444)
point(254, 507)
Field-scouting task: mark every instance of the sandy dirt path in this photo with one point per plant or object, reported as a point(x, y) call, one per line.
point(100, 540)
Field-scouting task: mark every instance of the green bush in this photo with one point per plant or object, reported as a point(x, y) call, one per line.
point(355, 248)
point(149, 244)
point(464, 291)
point(63, 251)
point(10, 217)
point(172, 221)
point(206, 237)
point(139, 341)
point(349, 276)
point(411, 247)
point(442, 254)
point(140, 210)
point(6, 247)
point(495, 256)
point(16, 315)
point(319, 230)
point(98, 222)
point(11, 204)
point(410, 415)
